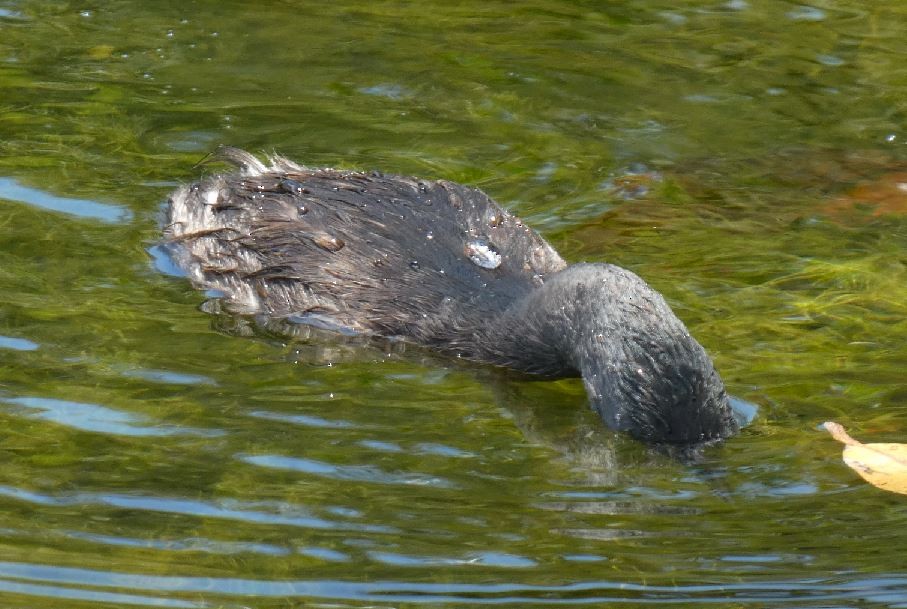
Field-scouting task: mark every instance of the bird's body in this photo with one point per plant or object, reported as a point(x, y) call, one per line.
point(443, 265)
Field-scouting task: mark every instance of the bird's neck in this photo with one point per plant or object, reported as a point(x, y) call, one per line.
point(643, 371)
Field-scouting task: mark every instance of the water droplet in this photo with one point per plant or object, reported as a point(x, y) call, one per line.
point(414, 265)
point(328, 242)
point(483, 254)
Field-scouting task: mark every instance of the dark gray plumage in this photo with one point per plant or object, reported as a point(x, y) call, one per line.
point(441, 264)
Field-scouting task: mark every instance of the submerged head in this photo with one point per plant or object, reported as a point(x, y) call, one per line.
point(643, 371)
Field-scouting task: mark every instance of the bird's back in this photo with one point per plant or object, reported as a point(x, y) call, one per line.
point(382, 254)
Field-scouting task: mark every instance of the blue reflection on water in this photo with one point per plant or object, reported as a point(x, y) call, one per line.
point(281, 514)
point(360, 473)
point(17, 344)
point(173, 378)
point(11, 190)
point(484, 559)
point(301, 419)
point(324, 554)
point(100, 419)
point(195, 544)
point(891, 589)
point(163, 262)
point(94, 596)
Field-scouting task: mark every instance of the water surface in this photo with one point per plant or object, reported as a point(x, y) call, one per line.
point(747, 158)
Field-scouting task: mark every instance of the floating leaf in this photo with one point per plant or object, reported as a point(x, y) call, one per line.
point(882, 465)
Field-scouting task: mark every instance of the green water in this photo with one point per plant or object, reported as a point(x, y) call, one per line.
point(153, 455)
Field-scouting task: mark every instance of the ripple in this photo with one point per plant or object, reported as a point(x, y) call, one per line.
point(830, 60)
point(807, 13)
point(324, 554)
point(17, 344)
point(172, 378)
point(431, 448)
point(99, 419)
point(302, 419)
point(602, 534)
point(388, 447)
point(94, 596)
point(781, 488)
point(483, 559)
point(388, 90)
point(280, 514)
point(358, 473)
point(584, 557)
point(879, 589)
point(11, 190)
point(191, 507)
point(196, 544)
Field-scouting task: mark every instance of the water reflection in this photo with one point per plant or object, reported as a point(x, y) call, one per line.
point(100, 419)
point(166, 376)
point(17, 344)
point(481, 559)
point(768, 209)
point(93, 596)
point(359, 473)
point(279, 514)
point(11, 190)
point(197, 544)
point(301, 419)
point(885, 589)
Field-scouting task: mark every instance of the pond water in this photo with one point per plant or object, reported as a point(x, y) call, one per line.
point(749, 159)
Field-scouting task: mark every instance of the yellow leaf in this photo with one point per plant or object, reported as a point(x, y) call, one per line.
point(882, 465)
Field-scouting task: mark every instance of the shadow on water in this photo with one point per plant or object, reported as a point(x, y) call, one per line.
point(552, 414)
